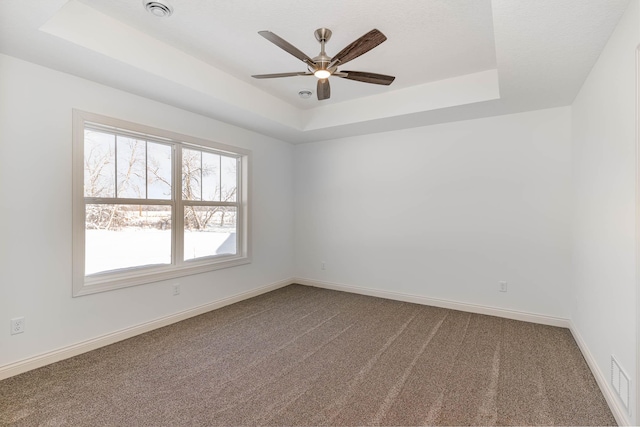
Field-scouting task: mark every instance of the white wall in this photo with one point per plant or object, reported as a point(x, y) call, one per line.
point(445, 211)
point(545, 200)
point(604, 186)
point(35, 198)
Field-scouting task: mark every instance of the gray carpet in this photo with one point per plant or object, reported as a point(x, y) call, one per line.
point(307, 356)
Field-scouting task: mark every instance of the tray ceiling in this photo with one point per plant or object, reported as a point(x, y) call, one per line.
point(453, 59)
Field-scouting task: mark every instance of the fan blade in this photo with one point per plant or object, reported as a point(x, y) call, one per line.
point(363, 45)
point(378, 79)
point(272, 76)
point(323, 90)
point(286, 46)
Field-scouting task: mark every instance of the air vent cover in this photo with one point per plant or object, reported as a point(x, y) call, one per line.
point(620, 382)
point(158, 8)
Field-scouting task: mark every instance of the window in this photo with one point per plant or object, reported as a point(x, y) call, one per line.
point(151, 205)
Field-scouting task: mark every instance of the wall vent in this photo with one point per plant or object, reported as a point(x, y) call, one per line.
point(620, 382)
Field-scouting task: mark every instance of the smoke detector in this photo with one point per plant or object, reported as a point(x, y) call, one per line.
point(305, 94)
point(158, 8)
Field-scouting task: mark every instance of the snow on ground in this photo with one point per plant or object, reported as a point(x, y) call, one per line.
point(111, 250)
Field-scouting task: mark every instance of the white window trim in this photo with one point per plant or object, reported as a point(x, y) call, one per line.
point(101, 282)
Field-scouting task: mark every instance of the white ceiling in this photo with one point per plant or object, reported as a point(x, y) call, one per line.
point(453, 59)
point(438, 39)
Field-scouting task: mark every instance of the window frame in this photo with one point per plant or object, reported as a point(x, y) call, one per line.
point(126, 277)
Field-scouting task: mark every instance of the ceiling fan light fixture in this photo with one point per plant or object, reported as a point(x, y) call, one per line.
point(322, 74)
point(158, 8)
point(323, 66)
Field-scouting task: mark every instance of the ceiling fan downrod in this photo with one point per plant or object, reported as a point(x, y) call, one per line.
point(321, 69)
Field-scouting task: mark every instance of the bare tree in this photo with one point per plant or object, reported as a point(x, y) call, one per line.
point(99, 180)
point(101, 177)
point(96, 160)
point(137, 169)
point(194, 172)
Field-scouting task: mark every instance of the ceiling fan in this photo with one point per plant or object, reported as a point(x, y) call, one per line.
point(324, 66)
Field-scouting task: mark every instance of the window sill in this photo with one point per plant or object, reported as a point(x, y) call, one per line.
point(140, 276)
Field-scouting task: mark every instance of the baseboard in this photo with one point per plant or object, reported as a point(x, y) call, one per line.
point(454, 305)
point(620, 414)
point(76, 349)
point(615, 406)
point(123, 334)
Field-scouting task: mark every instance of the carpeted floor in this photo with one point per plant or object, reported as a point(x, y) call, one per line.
point(307, 356)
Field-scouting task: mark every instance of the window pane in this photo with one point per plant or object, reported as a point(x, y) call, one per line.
point(211, 177)
point(123, 236)
point(99, 164)
point(131, 168)
point(191, 174)
point(228, 180)
point(158, 171)
point(209, 231)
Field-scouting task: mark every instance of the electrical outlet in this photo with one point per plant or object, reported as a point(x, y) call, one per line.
point(176, 289)
point(502, 286)
point(17, 325)
point(322, 266)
